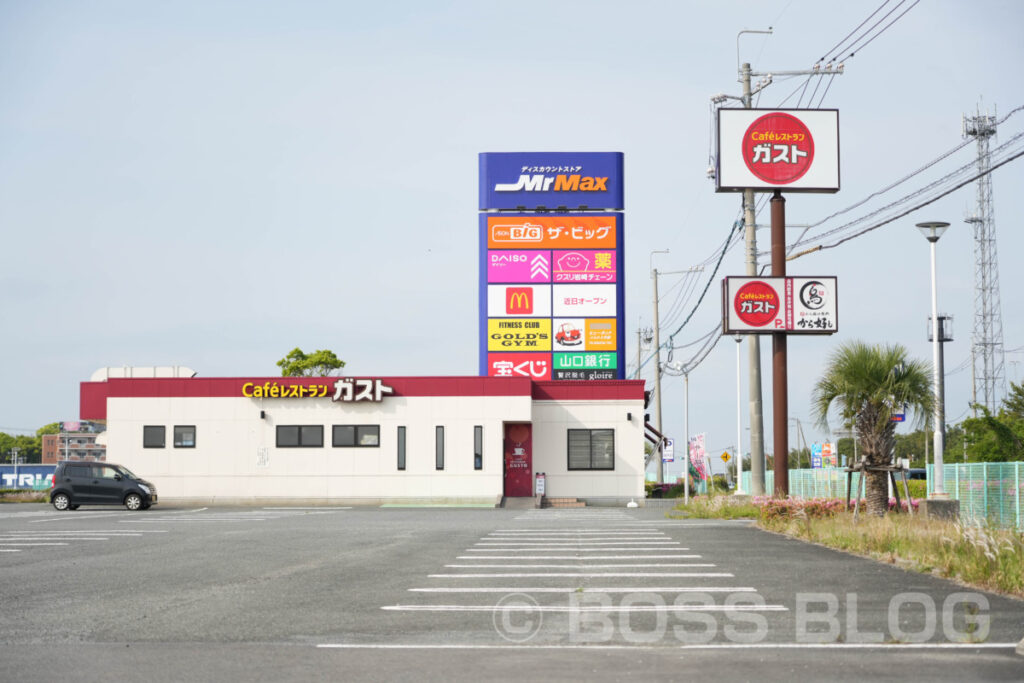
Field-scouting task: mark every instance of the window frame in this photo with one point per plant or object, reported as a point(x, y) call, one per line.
point(298, 436)
point(590, 450)
point(356, 433)
point(163, 436)
point(439, 448)
point(400, 434)
point(478, 447)
point(175, 436)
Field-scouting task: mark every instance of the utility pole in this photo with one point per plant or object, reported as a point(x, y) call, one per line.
point(657, 366)
point(753, 340)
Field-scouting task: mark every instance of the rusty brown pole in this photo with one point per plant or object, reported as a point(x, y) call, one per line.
point(780, 383)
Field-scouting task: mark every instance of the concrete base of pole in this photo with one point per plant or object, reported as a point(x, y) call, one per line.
point(1020, 648)
point(940, 508)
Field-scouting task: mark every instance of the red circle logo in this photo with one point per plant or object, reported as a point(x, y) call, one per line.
point(778, 148)
point(756, 303)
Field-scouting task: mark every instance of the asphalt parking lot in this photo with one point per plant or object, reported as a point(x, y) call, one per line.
point(276, 593)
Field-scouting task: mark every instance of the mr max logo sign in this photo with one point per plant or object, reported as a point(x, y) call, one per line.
point(551, 180)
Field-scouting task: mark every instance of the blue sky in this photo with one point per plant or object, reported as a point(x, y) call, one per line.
point(211, 184)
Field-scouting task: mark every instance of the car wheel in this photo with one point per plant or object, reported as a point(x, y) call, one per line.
point(133, 501)
point(61, 501)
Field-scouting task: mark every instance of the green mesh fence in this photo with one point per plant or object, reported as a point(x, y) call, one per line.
point(987, 491)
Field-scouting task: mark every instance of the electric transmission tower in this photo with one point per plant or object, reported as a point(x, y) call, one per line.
point(988, 376)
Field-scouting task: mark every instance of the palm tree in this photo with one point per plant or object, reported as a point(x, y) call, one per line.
point(868, 384)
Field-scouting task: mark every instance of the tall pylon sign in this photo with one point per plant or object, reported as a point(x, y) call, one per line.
point(552, 287)
point(988, 376)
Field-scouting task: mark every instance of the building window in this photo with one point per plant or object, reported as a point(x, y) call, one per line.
point(591, 449)
point(478, 447)
point(401, 448)
point(355, 435)
point(300, 436)
point(154, 436)
point(439, 448)
point(184, 436)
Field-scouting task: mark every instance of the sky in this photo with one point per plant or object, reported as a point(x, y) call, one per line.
point(211, 184)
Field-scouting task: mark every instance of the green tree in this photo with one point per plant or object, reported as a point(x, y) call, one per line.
point(867, 384)
point(320, 363)
point(52, 428)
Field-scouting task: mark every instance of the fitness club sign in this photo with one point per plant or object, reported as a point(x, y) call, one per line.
point(798, 305)
point(795, 150)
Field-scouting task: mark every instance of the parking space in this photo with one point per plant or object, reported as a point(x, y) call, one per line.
point(578, 576)
point(469, 588)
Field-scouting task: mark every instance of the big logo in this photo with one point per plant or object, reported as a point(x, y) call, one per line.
point(519, 300)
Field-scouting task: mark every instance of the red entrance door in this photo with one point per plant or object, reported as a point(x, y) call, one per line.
point(518, 460)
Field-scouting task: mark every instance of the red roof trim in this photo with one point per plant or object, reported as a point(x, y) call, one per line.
point(93, 395)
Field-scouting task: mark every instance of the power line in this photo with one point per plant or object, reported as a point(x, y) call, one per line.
point(908, 211)
point(835, 48)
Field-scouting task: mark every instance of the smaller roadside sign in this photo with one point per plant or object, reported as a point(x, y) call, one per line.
point(726, 457)
point(795, 305)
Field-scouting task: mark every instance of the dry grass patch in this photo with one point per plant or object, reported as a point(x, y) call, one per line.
point(983, 556)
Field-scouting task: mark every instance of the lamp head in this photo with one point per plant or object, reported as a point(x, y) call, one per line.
point(932, 230)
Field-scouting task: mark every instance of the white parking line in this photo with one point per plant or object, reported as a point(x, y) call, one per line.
point(716, 646)
point(3, 539)
point(570, 566)
point(512, 607)
point(562, 544)
point(574, 575)
point(570, 589)
point(309, 508)
point(562, 549)
point(578, 557)
point(7, 544)
point(78, 517)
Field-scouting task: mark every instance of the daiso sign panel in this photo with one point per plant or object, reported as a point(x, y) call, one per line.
point(551, 283)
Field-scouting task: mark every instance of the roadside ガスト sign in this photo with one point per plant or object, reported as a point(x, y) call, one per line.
point(796, 150)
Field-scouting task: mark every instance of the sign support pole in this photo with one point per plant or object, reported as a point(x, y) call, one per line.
point(780, 381)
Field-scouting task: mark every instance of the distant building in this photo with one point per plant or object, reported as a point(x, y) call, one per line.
point(76, 441)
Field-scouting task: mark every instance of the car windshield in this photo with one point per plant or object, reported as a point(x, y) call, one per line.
point(126, 472)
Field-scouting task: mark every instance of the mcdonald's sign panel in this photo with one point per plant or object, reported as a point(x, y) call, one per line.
point(517, 301)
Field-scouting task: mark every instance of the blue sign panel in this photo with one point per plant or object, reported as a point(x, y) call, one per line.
point(26, 476)
point(528, 181)
point(816, 456)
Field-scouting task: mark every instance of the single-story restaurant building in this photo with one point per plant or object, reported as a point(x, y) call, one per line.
point(345, 440)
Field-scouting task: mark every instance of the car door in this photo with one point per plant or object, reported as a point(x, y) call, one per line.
point(78, 478)
point(108, 484)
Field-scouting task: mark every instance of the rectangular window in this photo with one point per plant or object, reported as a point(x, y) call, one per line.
point(355, 435)
point(439, 448)
point(154, 436)
point(184, 436)
point(401, 448)
point(591, 449)
point(478, 447)
point(300, 436)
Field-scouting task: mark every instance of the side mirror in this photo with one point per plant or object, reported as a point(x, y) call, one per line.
point(118, 477)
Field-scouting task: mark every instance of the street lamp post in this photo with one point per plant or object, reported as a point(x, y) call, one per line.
point(932, 231)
